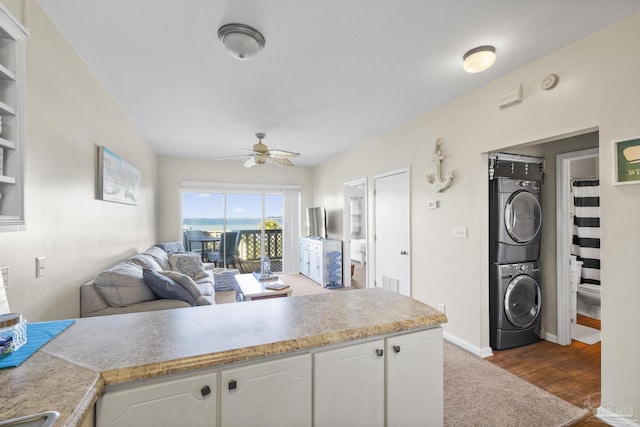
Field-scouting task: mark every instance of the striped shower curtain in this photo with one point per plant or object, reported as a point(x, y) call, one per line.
point(586, 228)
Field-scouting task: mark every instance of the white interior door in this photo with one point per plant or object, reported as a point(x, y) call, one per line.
point(392, 231)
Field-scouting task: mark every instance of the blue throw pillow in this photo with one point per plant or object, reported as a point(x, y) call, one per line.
point(164, 287)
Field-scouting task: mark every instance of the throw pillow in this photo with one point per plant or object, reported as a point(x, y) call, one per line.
point(188, 284)
point(166, 288)
point(123, 285)
point(145, 261)
point(189, 264)
point(161, 257)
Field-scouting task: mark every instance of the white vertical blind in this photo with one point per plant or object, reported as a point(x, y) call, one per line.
point(291, 230)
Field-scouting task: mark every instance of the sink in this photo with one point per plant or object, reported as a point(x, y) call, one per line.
point(43, 419)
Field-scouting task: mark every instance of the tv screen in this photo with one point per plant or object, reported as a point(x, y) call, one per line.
point(317, 222)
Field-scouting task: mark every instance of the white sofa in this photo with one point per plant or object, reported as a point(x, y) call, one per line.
point(358, 250)
point(128, 288)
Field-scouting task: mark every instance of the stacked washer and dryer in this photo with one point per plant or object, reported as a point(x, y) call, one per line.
point(515, 228)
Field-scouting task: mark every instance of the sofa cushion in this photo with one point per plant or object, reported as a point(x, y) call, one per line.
point(160, 256)
point(224, 279)
point(166, 288)
point(146, 261)
point(123, 285)
point(189, 285)
point(206, 286)
point(189, 264)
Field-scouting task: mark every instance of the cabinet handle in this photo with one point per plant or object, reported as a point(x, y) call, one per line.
point(404, 253)
point(205, 391)
point(396, 348)
point(233, 384)
point(379, 352)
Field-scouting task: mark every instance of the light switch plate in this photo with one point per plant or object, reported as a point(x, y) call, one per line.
point(40, 266)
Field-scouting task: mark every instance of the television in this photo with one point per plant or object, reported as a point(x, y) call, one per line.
point(317, 222)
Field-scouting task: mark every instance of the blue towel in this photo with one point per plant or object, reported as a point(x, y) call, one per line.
point(38, 334)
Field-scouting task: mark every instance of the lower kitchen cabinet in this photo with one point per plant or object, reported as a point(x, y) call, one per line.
point(349, 386)
point(186, 401)
point(273, 393)
point(397, 381)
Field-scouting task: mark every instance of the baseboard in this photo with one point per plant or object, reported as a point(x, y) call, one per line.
point(622, 418)
point(550, 337)
point(480, 352)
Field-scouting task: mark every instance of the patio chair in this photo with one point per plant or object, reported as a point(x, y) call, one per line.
point(228, 250)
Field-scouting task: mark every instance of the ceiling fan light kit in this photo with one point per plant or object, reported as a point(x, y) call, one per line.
point(261, 154)
point(241, 41)
point(479, 59)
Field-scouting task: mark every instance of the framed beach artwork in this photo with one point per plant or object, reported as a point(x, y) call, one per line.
point(118, 180)
point(626, 156)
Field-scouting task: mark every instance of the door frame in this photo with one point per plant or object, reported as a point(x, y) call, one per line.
point(372, 258)
point(346, 235)
point(563, 181)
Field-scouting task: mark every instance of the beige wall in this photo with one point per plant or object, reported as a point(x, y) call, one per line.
point(598, 89)
point(69, 113)
point(172, 172)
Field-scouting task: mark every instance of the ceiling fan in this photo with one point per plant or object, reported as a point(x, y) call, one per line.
point(261, 154)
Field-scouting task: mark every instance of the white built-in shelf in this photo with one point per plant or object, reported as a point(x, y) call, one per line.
point(7, 144)
point(6, 109)
point(6, 74)
point(7, 179)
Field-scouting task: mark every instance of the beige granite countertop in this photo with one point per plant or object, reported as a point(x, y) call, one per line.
point(69, 373)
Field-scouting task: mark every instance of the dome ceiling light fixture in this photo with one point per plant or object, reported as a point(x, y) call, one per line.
point(479, 59)
point(242, 41)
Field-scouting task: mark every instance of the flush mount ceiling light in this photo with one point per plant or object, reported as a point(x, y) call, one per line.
point(479, 59)
point(242, 41)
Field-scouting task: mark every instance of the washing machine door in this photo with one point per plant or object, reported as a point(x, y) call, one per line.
point(522, 301)
point(522, 216)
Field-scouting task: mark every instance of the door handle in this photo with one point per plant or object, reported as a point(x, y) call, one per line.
point(404, 253)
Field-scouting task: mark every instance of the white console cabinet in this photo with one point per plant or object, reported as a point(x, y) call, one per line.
point(317, 260)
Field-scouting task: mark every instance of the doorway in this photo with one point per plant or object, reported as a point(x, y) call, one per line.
point(355, 231)
point(566, 165)
point(392, 231)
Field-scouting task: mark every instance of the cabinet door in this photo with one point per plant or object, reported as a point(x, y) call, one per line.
point(274, 393)
point(349, 386)
point(315, 266)
point(304, 261)
point(182, 401)
point(415, 379)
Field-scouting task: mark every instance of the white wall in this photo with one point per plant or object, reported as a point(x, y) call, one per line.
point(598, 89)
point(172, 172)
point(69, 113)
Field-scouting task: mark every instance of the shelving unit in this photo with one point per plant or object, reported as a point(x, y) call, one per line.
point(12, 109)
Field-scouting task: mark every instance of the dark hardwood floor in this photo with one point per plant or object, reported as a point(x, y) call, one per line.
point(570, 372)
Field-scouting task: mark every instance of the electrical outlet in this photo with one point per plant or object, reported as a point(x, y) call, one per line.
point(441, 308)
point(459, 232)
point(5, 275)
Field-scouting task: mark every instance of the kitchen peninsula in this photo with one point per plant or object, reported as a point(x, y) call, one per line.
point(231, 343)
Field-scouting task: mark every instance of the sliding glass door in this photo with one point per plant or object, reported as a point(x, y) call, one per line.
point(244, 227)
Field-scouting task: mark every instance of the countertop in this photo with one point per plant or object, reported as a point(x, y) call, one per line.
point(70, 372)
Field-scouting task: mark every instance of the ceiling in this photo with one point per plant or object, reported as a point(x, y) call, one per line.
point(333, 73)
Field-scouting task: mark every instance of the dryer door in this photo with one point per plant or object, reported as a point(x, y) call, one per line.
point(522, 216)
point(522, 301)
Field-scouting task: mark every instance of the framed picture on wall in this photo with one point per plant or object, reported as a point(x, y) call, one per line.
point(118, 180)
point(626, 156)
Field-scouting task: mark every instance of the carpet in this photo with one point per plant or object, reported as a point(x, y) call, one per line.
point(478, 393)
point(585, 334)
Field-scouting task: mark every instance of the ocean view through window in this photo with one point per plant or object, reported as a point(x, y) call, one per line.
point(242, 227)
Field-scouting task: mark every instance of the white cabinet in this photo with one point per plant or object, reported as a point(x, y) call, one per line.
point(348, 386)
point(12, 108)
point(395, 382)
point(275, 393)
point(414, 369)
point(187, 401)
point(321, 260)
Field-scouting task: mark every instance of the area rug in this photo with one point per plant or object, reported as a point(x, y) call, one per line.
point(585, 334)
point(478, 393)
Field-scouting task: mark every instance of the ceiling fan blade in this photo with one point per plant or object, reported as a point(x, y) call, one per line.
point(231, 157)
point(282, 153)
point(280, 161)
point(250, 162)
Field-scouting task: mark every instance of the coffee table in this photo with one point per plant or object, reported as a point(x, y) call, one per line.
point(249, 288)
